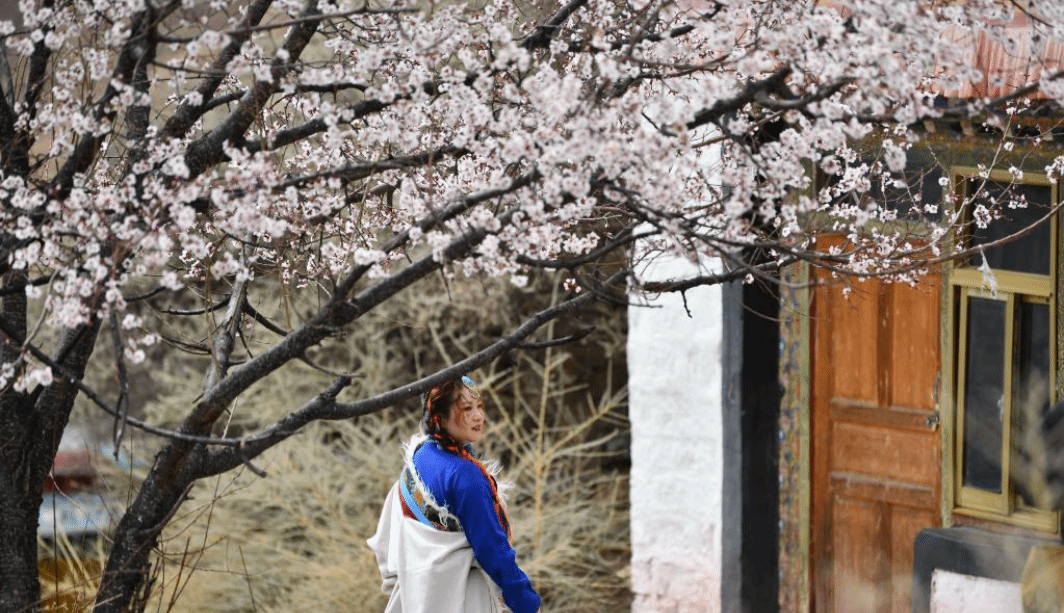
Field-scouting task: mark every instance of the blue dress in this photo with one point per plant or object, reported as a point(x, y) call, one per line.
point(463, 488)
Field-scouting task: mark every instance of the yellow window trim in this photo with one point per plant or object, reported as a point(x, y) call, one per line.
point(996, 502)
point(1007, 282)
point(965, 281)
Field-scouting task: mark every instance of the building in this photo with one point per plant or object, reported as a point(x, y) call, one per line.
point(908, 463)
point(704, 403)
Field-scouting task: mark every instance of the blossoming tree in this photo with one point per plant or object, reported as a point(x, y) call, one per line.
point(219, 151)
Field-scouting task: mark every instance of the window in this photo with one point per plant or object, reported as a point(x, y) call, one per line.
point(921, 186)
point(1004, 334)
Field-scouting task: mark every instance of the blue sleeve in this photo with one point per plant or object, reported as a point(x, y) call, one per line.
point(471, 501)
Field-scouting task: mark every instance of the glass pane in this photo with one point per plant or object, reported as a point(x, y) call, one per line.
point(1027, 254)
point(1031, 400)
point(984, 383)
point(921, 188)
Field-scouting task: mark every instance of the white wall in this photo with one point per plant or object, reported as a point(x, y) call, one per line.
point(674, 384)
point(955, 593)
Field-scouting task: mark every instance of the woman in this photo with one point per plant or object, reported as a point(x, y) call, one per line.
point(443, 540)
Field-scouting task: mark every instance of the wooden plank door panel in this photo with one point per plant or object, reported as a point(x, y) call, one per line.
point(855, 366)
point(881, 450)
point(875, 449)
point(859, 559)
point(905, 524)
point(914, 349)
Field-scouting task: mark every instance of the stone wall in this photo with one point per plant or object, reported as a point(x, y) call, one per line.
point(957, 593)
point(674, 370)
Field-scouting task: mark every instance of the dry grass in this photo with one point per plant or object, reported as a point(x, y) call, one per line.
point(296, 539)
point(293, 540)
point(69, 570)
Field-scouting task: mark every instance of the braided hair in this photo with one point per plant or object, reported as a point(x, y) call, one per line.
point(438, 403)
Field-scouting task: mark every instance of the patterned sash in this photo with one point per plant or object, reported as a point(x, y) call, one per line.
point(416, 506)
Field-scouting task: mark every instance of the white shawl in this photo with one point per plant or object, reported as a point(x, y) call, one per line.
point(427, 570)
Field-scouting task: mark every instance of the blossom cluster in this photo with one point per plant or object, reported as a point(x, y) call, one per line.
point(204, 143)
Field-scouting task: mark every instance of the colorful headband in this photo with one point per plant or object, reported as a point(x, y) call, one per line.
point(474, 391)
point(430, 400)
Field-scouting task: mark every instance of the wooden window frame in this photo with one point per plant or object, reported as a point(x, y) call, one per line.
point(964, 282)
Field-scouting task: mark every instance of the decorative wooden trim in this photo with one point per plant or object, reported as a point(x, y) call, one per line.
point(794, 458)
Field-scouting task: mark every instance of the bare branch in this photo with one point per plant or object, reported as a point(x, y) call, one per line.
point(572, 338)
point(227, 329)
point(208, 150)
point(187, 113)
point(217, 306)
point(682, 285)
point(325, 406)
point(122, 406)
point(541, 36)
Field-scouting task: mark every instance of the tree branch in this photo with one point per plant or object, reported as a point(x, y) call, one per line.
point(61, 371)
point(14, 317)
point(138, 115)
point(748, 94)
point(228, 328)
point(122, 407)
point(342, 310)
point(17, 157)
point(282, 138)
point(88, 146)
point(682, 285)
point(572, 338)
point(625, 237)
point(362, 171)
point(325, 407)
point(208, 150)
point(186, 114)
point(541, 36)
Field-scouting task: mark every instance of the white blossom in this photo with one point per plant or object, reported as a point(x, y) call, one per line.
point(440, 132)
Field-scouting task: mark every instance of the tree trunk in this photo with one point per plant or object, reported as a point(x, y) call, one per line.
point(128, 570)
point(31, 426)
point(20, 588)
point(19, 506)
point(30, 429)
point(128, 565)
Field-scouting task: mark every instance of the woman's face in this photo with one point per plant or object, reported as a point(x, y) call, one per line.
point(466, 422)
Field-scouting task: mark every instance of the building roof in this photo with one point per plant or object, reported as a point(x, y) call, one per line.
point(1012, 58)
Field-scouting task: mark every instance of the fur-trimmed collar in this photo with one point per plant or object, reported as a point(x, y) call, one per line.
point(492, 466)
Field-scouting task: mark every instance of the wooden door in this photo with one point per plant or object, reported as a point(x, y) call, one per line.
point(875, 447)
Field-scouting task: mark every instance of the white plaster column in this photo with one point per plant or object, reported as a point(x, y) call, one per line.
point(675, 398)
